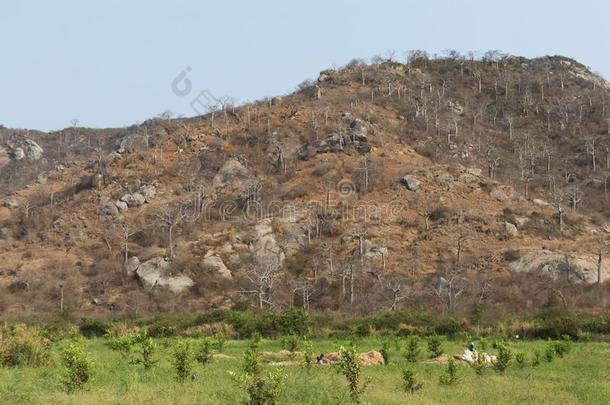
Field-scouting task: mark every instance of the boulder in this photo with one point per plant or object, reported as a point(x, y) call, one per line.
point(17, 154)
point(133, 200)
point(31, 149)
point(510, 229)
point(475, 171)
point(211, 259)
point(233, 179)
point(410, 182)
point(122, 206)
point(154, 274)
point(540, 203)
point(11, 204)
point(110, 209)
point(498, 194)
point(148, 192)
point(132, 266)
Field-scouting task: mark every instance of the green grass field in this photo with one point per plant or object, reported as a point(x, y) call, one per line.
point(581, 376)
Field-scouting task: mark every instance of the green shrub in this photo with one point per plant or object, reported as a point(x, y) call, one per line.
point(549, 353)
point(291, 343)
point(204, 355)
point(504, 357)
point(450, 376)
point(412, 349)
point(77, 367)
point(93, 328)
point(145, 349)
point(409, 382)
point(536, 359)
point(563, 346)
point(220, 340)
point(435, 347)
point(183, 359)
point(385, 352)
point(308, 356)
point(351, 367)
point(478, 365)
point(262, 389)
point(520, 359)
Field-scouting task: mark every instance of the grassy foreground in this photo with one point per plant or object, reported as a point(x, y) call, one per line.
point(582, 376)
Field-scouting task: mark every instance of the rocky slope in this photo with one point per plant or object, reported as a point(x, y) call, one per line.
point(442, 184)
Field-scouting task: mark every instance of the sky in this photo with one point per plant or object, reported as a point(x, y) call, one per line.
point(111, 63)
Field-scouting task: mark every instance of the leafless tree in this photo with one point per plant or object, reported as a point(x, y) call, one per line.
point(170, 217)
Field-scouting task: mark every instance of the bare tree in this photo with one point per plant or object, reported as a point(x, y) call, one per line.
point(170, 217)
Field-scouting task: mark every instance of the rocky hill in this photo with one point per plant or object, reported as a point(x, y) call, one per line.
point(449, 185)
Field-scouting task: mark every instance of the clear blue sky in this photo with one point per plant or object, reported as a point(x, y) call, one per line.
point(112, 63)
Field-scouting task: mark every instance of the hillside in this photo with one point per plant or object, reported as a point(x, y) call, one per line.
point(449, 185)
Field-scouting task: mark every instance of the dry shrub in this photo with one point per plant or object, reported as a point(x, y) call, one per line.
point(23, 346)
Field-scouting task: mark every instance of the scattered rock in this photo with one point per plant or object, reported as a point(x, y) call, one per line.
point(540, 203)
point(475, 171)
point(133, 200)
point(110, 209)
point(148, 192)
point(410, 182)
point(498, 194)
point(11, 204)
point(122, 206)
point(511, 229)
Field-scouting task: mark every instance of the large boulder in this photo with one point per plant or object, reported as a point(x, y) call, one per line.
point(212, 260)
point(410, 182)
point(562, 265)
point(154, 273)
point(133, 200)
point(26, 148)
point(233, 179)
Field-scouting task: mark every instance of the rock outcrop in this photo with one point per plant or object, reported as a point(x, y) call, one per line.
point(576, 267)
point(154, 274)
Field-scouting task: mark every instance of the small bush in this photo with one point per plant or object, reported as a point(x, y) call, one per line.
point(385, 352)
point(291, 343)
point(204, 355)
point(77, 367)
point(478, 365)
point(409, 382)
point(351, 367)
point(308, 356)
point(183, 360)
point(549, 353)
point(146, 348)
point(412, 349)
point(435, 347)
point(536, 359)
point(520, 359)
point(93, 328)
point(220, 340)
point(450, 376)
point(504, 357)
point(262, 389)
